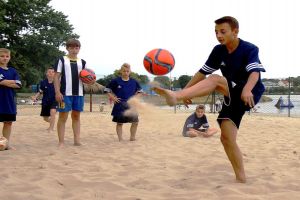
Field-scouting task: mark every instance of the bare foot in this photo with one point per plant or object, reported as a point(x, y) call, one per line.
point(241, 179)
point(10, 148)
point(132, 139)
point(168, 94)
point(78, 144)
point(61, 145)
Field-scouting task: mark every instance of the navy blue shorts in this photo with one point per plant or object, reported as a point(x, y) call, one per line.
point(125, 119)
point(45, 112)
point(234, 107)
point(7, 117)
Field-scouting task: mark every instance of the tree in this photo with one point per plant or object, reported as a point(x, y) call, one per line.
point(142, 79)
point(33, 31)
point(164, 81)
point(183, 80)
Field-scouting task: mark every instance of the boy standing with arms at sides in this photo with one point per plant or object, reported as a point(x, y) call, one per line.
point(49, 104)
point(69, 90)
point(120, 90)
point(197, 125)
point(240, 84)
point(9, 80)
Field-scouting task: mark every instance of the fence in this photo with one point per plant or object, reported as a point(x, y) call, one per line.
point(288, 90)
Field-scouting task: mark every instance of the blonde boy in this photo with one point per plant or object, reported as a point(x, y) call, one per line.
point(9, 80)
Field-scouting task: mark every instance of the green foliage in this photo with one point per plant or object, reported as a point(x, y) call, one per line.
point(183, 80)
point(142, 79)
point(33, 31)
point(164, 81)
point(105, 81)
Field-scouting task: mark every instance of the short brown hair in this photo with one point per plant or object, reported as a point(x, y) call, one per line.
point(4, 50)
point(73, 43)
point(200, 107)
point(125, 65)
point(230, 20)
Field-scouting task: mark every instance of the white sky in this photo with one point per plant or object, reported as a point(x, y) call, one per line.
point(116, 31)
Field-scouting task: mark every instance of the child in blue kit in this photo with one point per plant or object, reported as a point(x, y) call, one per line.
point(49, 104)
point(120, 90)
point(9, 80)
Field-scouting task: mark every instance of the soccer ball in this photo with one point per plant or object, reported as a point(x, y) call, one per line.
point(159, 62)
point(87, 75)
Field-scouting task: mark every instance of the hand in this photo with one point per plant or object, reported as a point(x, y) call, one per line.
point(59, 97)
point(116, 99)
point(247, 97)
point(33, 98)
point(186, 102)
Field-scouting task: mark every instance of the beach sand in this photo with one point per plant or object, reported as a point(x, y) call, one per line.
point(160, 164)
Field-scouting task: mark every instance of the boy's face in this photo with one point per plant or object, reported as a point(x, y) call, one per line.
point(199, 112)
point(4, 58)
point(73, 50)
point(225, 35)
point(125, 72)
point(50, 73)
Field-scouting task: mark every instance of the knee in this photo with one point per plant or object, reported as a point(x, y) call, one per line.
point(220, 80)
point(75, 115)
point(7, 124)
point(63, 117)
point(224, 140)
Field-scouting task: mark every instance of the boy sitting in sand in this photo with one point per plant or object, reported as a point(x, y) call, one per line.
point(197, 125)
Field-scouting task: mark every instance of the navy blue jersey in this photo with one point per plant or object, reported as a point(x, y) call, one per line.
point(70, 84)
point(7, 94)
point(236, 66)
point(123, 90)
point(48, 91)
point(195, 122)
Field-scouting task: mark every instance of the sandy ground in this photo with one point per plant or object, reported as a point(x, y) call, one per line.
point(160, 164)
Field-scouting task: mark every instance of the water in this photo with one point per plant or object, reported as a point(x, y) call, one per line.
point(269, 108)
point(265, 107)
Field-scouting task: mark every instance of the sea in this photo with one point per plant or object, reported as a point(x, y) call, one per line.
point(264, 107)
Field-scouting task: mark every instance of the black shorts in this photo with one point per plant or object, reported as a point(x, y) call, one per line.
point(125, 119)
point(233, 107)
point(45, 112)
point(7, 117)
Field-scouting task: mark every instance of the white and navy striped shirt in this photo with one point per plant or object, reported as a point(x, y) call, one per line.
point(70, 84)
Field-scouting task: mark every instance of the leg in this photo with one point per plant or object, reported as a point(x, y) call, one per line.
point(7, 126)
point(202, 88)
point(52, 119)
point(228, 139)
point(75, 115)
point(119, 131)
point(133, 130)
point(46, 118)
point(61, 123)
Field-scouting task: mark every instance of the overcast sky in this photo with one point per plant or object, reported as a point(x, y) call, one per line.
point(116, 31)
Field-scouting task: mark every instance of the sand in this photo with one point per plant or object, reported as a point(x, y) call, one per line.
point(160, 164)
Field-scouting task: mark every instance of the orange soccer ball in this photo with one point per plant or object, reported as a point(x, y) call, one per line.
point(87, 75)
point(159, 61)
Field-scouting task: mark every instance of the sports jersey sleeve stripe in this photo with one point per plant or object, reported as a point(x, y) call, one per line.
point(17, 78)
point(58, 66)
point(212, 63)
point(207, 70)
point(255, 67)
